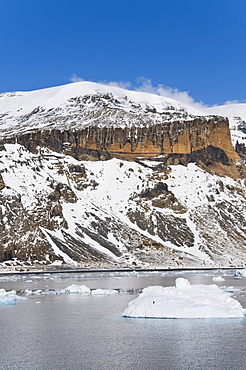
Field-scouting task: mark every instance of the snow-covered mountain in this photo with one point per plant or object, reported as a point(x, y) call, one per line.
point(95, 175)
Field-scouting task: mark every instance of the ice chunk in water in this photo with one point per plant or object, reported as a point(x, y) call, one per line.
point(240, 273)
point(218, 278)
point(78, 289)
point(9, 297)
point(184, 301)
point(104, 292)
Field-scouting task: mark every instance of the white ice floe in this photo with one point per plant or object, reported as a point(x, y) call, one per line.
point(73, 289)
point(9, 297)
point(104, 292)
point(240, 273)
point(218, 278)
point(78, 289)
point(82, 289)
point(184, 301)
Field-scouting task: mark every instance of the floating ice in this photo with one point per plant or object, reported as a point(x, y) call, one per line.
point(218, 278)
point(184, 301)
point(78, 289)
point(240, 273)
point(104, 292)
point(9, 297)
point(82, 289)
point(75, 289)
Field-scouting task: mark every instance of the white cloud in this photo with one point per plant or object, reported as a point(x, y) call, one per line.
point(75, 78)
point(228, 102)
point(122, 84)
point(145, 85)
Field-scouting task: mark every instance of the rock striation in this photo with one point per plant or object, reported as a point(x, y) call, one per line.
point(131, 142)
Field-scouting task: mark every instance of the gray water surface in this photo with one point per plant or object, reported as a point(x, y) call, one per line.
point(89, 332)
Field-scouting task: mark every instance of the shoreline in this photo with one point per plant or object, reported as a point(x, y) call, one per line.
point(130, 270)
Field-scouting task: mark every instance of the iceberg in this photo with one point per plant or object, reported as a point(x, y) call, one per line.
point(73, 289)
point(184, 301)
point(240, 273)
point(84, 290)
point(78, 289)
point(218, 278)
point(9, 297)
point(104, 292)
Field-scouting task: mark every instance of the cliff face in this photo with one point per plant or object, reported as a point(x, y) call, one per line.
point(204, 141)
point(131, 142)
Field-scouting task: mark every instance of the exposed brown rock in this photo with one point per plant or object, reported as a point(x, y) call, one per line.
point(241, 150)
point(2, 185)
point(182, 137)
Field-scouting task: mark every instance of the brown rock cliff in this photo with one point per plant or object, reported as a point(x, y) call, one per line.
point(170, 138)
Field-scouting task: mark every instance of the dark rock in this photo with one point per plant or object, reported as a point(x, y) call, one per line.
point(160, 188)
point(2, 184)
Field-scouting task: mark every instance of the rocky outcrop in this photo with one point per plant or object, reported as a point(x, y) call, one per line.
point(241, 150)
point(206, 142)
point(183, 137)
point(2, 185)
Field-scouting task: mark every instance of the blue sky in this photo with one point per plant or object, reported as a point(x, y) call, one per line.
point(196, 46)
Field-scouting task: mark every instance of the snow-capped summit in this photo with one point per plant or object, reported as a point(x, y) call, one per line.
point(24, 102)
point(20, 111)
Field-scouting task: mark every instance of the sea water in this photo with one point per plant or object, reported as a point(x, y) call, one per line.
point(61, 331)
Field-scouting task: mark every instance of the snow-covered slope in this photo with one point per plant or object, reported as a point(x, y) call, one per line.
point(117, 213)
point(229, 110)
